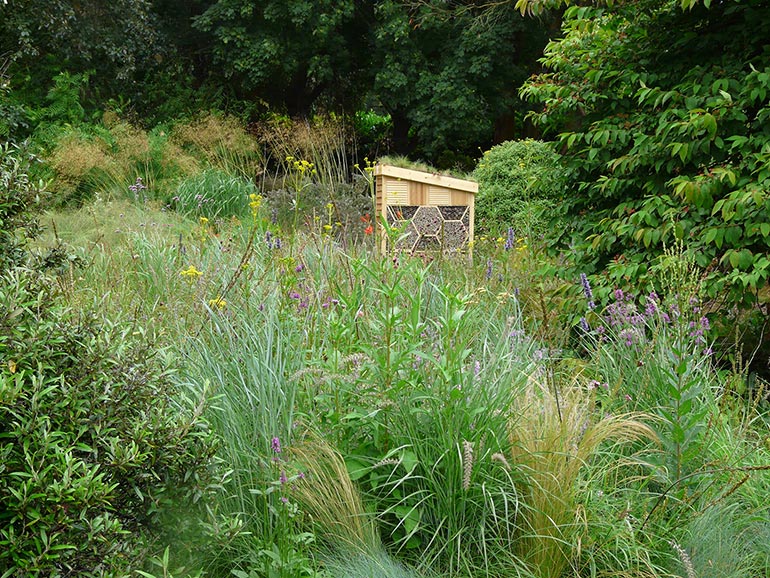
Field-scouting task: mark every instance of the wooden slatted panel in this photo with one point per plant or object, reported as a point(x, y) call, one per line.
point(397, 192)
point(439, 196)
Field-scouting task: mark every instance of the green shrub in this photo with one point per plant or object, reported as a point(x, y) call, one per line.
point(518, 182)
point(18, 195)
point(93, 449)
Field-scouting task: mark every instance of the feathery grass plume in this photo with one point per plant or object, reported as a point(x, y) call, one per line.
point(684, 557)
point(553, 437)
point(467, 464)
point(221, 142)
point(331, 498)
point(324, 141)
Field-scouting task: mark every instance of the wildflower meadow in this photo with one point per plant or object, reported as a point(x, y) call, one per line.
point(388, 289)
point(330, 410)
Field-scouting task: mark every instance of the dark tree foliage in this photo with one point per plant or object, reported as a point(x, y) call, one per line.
point(117, 41)
point(289, 53)
point(448, 73)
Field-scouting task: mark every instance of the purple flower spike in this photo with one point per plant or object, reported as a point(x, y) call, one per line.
point(587, 291)
point(510, 241)
point(276, 445)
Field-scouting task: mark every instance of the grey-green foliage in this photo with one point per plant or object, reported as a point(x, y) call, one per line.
point(368, 565)
point(248, 359)
point(213, 194)
point(518, 182)
point(722, 543)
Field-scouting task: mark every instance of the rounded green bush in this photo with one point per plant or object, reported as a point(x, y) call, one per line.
point(519, 182)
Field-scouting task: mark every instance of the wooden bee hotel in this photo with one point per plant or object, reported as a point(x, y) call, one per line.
point(431, 212)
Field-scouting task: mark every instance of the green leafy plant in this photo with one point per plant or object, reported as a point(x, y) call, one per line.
point(19, 196)
point(95, 447)
point(664, 142)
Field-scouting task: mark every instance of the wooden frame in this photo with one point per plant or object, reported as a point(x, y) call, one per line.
point(436, 212)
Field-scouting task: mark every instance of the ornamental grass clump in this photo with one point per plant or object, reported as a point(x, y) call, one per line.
point(247, 361)
point(332, 501)
point(554, 436)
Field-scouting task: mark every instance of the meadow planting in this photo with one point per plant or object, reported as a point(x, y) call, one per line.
point(210, 369)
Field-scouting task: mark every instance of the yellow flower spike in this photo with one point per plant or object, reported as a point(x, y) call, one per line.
point(204, 221)
point(191, 273)
point(255, 203)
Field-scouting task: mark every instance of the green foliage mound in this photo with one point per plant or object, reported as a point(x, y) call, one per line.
point(92, 448)
point(518, 182)
point(18, 195)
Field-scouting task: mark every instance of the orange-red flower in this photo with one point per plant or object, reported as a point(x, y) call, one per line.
point(369, 230)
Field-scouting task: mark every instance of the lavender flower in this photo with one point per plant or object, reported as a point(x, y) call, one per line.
point(584, 325)
point(488, 273)
point(510, 241)
point(587, 291)
point(276, 445)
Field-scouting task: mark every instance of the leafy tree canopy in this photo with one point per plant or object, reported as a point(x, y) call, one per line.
point(446, 73)
point(661, 107)
point(116, 40)
point(289, 51)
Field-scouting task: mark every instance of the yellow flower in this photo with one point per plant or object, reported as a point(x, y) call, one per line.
point(219, 303)
point(255, 201)
point(204, 221)
point(191, 273)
